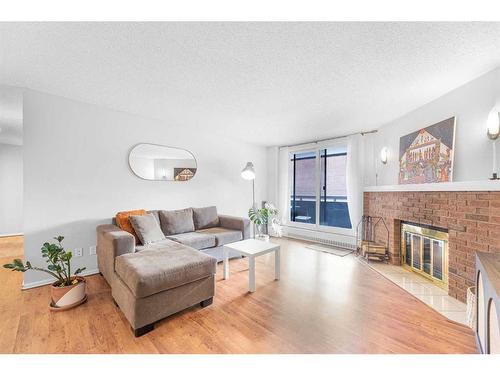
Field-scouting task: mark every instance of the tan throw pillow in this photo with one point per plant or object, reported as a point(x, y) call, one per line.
point(147, 228)
point(205, 217)
point(176, 222)
point(123, 222)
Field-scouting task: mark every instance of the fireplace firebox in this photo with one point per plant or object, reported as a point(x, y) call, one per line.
point(424, 250)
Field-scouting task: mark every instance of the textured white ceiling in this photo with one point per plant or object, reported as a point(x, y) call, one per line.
point(267, 83)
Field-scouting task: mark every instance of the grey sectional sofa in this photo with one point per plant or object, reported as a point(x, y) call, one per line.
point(154, 280)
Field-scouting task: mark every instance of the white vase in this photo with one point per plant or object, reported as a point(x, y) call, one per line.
point(260, 235)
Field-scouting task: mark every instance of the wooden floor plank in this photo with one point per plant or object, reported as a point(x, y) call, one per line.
point(11, 246)
point(322, 304)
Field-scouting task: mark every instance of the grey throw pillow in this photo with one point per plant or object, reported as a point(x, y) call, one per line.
point(177, 221)
point(147, 229)
point(205, 217)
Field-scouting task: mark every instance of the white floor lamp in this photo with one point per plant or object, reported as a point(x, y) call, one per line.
point(493, 132)
point(248, 173)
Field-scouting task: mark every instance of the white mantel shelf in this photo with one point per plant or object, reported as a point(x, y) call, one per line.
point(485, 185)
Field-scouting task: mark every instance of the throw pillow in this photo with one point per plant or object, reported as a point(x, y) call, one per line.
point(147, 228)
point(205, 217)
point(124, 223)
point(177, 221)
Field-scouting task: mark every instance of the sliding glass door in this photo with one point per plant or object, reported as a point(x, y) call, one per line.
point(318, 194)
point(303, 197)
point(334, 211)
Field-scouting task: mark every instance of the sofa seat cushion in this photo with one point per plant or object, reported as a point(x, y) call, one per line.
point(161, 245)
point(152, 271)
point(223, 236)
point(196, 240)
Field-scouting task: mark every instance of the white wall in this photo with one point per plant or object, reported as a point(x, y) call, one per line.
point(471, 104)
point(11, 189)
point(77, 176)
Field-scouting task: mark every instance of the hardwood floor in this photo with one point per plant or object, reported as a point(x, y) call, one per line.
point(11, 246)
point(322, 304)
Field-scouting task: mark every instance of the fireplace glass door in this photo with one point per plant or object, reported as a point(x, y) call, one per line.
point(424, 251)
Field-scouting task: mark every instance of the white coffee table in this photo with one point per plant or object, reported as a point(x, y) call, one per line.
point(252, 248)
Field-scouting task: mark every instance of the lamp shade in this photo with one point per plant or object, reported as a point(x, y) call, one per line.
point(383, 155)
point(248, 173)
point(493, 124)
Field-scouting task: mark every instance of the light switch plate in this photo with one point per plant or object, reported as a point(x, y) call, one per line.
point(78, 252)
point(92, 250)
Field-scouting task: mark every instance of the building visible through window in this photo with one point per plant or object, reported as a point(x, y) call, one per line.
point(329, 186)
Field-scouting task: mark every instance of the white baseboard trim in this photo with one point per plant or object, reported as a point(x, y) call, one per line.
point(11, 234)
point(36, 284)
point(332, 239)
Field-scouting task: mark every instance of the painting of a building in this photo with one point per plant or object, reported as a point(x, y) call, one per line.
point(184, 174)
point(426, 156)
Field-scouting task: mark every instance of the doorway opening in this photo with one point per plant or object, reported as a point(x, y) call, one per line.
point(11, 172)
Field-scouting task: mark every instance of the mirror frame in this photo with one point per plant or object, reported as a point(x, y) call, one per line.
point(155, 144)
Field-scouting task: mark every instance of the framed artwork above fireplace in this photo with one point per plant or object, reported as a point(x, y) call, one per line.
point(426, 156)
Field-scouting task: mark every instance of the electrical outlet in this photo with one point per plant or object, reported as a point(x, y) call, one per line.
point(78, 252)
point(92, 250)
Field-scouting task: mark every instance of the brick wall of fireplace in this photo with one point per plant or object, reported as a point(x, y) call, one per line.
point(472, 220)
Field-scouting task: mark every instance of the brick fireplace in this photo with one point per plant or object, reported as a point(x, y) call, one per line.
point(471, 218)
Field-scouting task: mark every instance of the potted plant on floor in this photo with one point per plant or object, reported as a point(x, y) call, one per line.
point(260, 217)
point(69, 290)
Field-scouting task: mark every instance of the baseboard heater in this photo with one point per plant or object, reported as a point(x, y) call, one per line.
point(320, 237)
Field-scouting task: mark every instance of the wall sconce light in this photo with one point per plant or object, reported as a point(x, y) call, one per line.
point(493, 133)
point(383, 155)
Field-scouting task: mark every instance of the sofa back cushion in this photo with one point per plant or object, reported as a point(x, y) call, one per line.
point(156, 214)
point(177, 221)
point(123, 222)
point(205, 217)
point(147, 228)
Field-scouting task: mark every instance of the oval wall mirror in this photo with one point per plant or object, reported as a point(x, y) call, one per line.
point(162, 163)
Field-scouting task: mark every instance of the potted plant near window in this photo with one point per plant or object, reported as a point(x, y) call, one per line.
point(260, 217)
point(69, 290)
